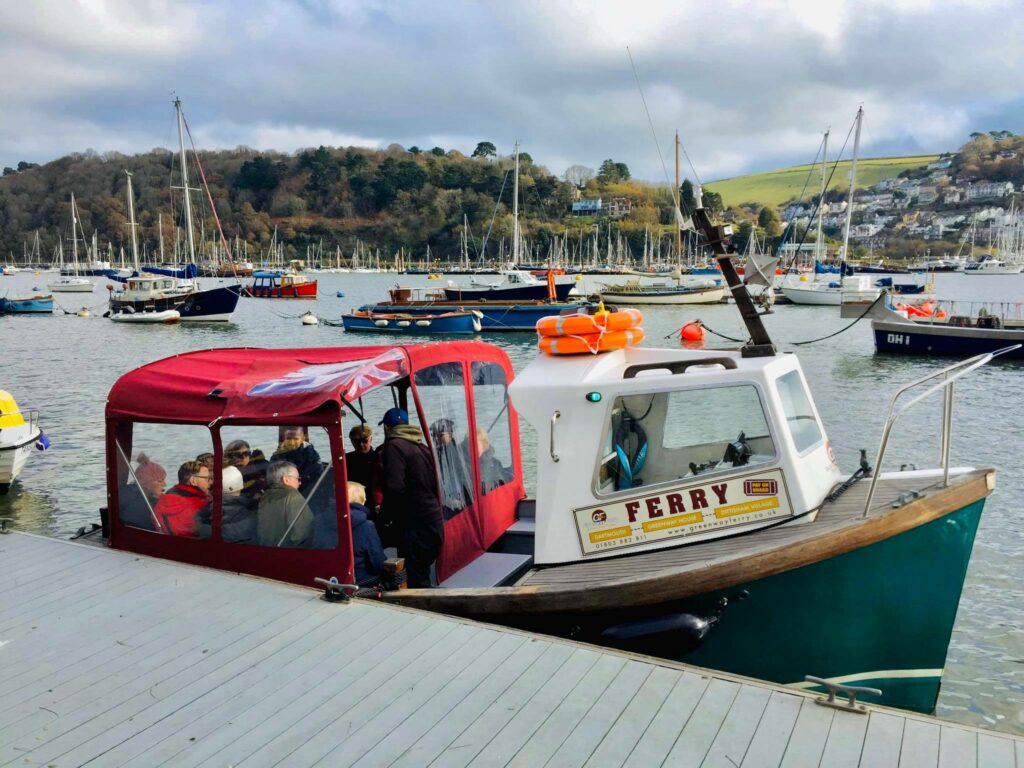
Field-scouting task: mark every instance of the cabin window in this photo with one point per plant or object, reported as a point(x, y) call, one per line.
point(670, 436)
point(493, 434)
point(442, 394)
point(267, 503)
point(165, 477)
point(796, 405)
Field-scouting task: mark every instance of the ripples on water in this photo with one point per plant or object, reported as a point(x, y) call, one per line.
point(64, 366)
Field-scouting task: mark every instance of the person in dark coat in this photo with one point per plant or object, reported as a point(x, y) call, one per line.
point(367, 551)
point(362, 463)
point(251, 463)
point(237, 514)
point(296, 450)
point(410, 496)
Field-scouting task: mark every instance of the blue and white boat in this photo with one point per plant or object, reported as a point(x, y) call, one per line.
point(32, 304)
point(446, 323)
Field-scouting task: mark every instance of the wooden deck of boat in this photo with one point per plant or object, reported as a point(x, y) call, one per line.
point(107, 658)
point(844, 512)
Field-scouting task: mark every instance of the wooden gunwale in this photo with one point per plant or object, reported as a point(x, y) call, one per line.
point(605, 584)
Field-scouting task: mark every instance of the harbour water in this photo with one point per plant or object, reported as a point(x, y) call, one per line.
point(64, 365)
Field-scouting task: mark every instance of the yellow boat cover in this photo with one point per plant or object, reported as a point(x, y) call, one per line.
point(10, 414)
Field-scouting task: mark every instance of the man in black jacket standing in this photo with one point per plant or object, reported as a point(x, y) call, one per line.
point(410, 496)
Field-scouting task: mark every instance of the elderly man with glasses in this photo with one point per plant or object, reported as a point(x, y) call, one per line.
point(283, 518)
point(176, 510)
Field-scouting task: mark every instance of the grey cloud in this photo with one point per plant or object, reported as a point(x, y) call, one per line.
point(749, 87)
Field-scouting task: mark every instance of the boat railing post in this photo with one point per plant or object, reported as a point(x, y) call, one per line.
point(947, 432)
point(949, 375)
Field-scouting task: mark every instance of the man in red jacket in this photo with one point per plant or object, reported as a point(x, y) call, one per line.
point(177, 508)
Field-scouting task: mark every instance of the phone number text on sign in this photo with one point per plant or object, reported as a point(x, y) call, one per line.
point(682, 511)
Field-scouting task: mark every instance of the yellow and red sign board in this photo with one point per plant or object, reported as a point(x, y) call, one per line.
point(681, 511)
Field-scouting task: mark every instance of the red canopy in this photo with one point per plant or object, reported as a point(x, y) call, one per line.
point(253, 383)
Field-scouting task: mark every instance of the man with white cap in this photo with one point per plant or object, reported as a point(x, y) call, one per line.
point(238, 513)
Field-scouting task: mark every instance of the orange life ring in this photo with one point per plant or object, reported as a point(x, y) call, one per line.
point(580, 324)
point(591, 343)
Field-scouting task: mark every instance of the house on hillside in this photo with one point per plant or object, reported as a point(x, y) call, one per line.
point(587, 207)
point(987, 190)
point(926, 195)
point(619, 207)
point(941, 164)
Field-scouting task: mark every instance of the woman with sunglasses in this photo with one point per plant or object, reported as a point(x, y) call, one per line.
point(252, 464)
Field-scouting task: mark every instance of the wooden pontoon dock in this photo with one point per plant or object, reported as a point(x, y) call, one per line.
point(112, 659)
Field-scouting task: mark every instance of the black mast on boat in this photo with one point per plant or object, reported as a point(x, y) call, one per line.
point(717, 235)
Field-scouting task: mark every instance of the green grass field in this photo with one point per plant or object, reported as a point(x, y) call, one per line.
point(778, 187)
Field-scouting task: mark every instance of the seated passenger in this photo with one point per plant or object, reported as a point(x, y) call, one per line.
point(176, 510)
point(493, 474)
point(283, 518)
point(237, 515)
point(362, 463)
point(151, 480)
point(252, 464)
point(295, 449)
point(367, 551)
point(454, 468)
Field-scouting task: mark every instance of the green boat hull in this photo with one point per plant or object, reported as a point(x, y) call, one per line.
point(880, 616)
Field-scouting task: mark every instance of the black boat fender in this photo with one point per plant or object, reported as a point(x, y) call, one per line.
point(669, 635)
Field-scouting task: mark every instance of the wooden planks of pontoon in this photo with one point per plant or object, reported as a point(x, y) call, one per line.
point(111, 659)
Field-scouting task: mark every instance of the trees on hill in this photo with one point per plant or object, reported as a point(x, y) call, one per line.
point(388, 198)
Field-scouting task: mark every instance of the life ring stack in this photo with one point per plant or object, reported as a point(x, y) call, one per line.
point(580, 333)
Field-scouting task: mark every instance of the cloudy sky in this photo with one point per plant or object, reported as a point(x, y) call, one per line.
point(750, 86)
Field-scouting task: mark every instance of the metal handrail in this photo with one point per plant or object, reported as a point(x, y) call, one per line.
point(949, 375)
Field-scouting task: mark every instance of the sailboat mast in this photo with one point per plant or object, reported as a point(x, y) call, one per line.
point(853, 183)
point(131, 223)
point(74, 233)
point(821, 198)
point(678, 199)
point(515, 213)
point(184, 182)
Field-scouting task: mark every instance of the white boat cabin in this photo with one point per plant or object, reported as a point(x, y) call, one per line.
point(155, 287)
point(640, 449)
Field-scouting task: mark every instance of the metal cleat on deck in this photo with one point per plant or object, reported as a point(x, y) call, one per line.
point(850, 691)
point(335, 591)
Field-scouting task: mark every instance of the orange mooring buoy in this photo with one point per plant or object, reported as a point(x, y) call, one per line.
point(692, 333)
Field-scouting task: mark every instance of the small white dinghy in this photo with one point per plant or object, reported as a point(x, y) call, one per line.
point(166, 316)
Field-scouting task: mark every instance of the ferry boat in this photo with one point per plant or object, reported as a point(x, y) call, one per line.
point(281, 285)
point(19, 435)
point(155, 296)
point(690, 504)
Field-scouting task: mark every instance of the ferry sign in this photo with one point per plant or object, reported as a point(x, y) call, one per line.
point(681, 511)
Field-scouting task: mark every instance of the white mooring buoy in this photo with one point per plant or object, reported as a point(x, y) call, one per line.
point(310, 319)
